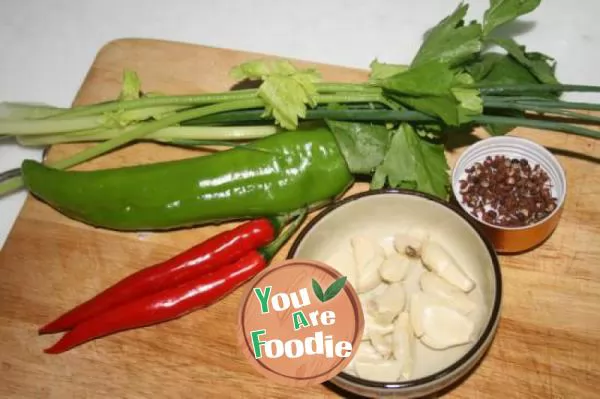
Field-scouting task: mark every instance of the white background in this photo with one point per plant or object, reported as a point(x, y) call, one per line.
point(47, 46)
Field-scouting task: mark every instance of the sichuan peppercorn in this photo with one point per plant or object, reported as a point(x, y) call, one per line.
point(507, 192)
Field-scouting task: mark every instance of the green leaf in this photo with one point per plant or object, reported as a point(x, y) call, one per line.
point(483, 66)
point(433, 78)
point(502, 69)
point(501, 130)
point(285, 90)
point(131, 87)
point(504, 11)
point(318, 290)
point(259, 69)
point(451, 41)
point(415, 163)
point(507, 71)
point(334, 289)
point(362, 145)
point(444, 107)
point(536, 63)
point(469, 99)
point(436, 90)
point(381, 70)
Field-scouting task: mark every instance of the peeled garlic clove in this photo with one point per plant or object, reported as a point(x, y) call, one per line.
point(437, 259)
point(382, 318)
point(387, 305)
point(366, 296)
point(403, 342)
point(420, 306)
point(368, 256)
point(372, 326)
point(445, 328)
point(406, 245)
point(368, 275)
point(417, 309)
point(367, 353)
point(386, 371)
point(432, 284)
point(382, 343)
point(410, 242)
point(418, 233)
point(395, 268)
point(438, 325)
point(365, 249)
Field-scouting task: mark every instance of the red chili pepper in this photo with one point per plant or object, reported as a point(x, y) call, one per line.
point(174, 302)
point(205, 257)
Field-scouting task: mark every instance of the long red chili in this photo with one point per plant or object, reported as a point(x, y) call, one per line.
point(174, 302)
point(219, 250)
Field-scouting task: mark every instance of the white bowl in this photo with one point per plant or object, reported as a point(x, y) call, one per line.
point(514, 239)
point(380, 214)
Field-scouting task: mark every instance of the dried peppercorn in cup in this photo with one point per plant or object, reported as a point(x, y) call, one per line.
point(514, 188)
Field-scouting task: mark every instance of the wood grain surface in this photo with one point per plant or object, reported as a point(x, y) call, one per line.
point(547, 345)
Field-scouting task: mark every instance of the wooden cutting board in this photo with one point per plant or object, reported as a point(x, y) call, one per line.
point(547, 345)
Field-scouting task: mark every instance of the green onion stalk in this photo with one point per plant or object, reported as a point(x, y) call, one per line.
point(234, 116)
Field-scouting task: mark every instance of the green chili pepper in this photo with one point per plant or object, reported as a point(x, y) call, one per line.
point(277, 174)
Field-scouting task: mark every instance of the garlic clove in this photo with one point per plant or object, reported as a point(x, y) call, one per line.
point(366, 296)
point(432, 284)
point(457, 329)
point(368, 256)
point(395, 268)
point(409, 243)
point(438, 325)
point(403, 342)
point(417, 309)
point(372, 326)
point(368, 275)
point(385, 371)
point(387, 305)
point(367, 353)
point(406, 245)
point(364, 249)
point(437, 259)
point(382, 343)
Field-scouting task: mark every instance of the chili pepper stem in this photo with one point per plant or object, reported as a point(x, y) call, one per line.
point(279, 221)
point(269, 251)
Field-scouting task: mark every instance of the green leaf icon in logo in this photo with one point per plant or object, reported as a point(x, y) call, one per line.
point(330, 292)
point(317, 290)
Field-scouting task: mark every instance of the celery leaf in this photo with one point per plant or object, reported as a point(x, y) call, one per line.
point(437, 90)
point(363, 145)
point(539, 65)
point(285, 90)
point(433, 78)
point(380, 70)
point(413, 162)
point(470, 103)
point(451, 41)
point(502, 12)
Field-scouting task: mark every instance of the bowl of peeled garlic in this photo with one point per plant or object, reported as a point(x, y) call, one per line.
point(429, 284)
